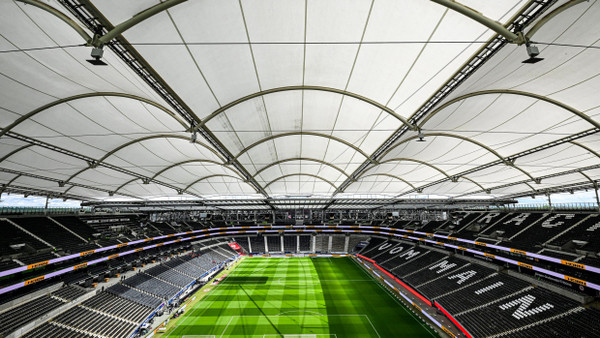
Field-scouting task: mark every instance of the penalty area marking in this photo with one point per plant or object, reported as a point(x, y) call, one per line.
point(301, 315)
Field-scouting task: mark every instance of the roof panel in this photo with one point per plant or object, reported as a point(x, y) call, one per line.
point(385, 54)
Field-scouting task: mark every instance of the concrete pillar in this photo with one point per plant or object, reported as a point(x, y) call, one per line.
point(346, 243)
point(266, 246)
point(249, 244)
point(282, 247)
point(329, 243)
point(313, 242)
point(298, 243)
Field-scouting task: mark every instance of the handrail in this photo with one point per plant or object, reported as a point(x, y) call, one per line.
point(237, 230)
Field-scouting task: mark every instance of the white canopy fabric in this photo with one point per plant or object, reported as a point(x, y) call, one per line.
point(297, 97)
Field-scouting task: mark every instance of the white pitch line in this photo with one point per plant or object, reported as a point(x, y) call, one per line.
point(225, 330)
point(196, 307)
point(373, 326)
point(302, 315)
point(403, 306)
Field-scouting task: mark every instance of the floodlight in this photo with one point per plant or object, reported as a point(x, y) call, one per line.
point(194, 137)
point(533, 52)
point(421, 136)
point(97, 53)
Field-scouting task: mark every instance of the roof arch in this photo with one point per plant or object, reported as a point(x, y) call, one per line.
point(452, 178)
point(192, 161)
point(179, 191)
point(438, 134)
point(292, 88)
point(551, 15)
point(176, 165)
point(467, 139)
point(61, 16)
point(301, 159)
point(475, 182)
point(590, 150)
point(300, 174)
point(124, 184)
point(301, 133)
point(416, 161)
point(14, 152)
point(88, 95)
point(145, 138)
point(511, 92)
point(211, 176)
point(392, 176)
point(151, 137)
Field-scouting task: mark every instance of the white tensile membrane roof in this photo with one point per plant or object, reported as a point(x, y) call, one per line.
point(298, 98)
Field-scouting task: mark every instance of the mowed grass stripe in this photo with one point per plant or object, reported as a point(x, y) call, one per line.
point(287, 296)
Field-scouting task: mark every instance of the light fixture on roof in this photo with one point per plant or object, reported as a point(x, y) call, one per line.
point(194, 137)
point(533, 52)
point(421, 136)
point(97, 53)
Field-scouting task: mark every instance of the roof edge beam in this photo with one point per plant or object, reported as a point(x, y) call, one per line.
point(136, 19)
point(88, 39)
point(482, 19)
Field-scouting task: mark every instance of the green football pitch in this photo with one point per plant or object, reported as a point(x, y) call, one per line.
point(299, 297)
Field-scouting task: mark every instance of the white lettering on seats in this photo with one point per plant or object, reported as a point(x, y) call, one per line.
point(396, 250)
point(594, 227)
point(384, 246)
point(442, 266)
point(489, 288)
point(463, 276)
point(524, 303)
point(518, 219)
point(488, 218)
point(548, 223)
point(410, 254)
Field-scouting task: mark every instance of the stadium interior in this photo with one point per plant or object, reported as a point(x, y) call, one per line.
point(299, 168)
